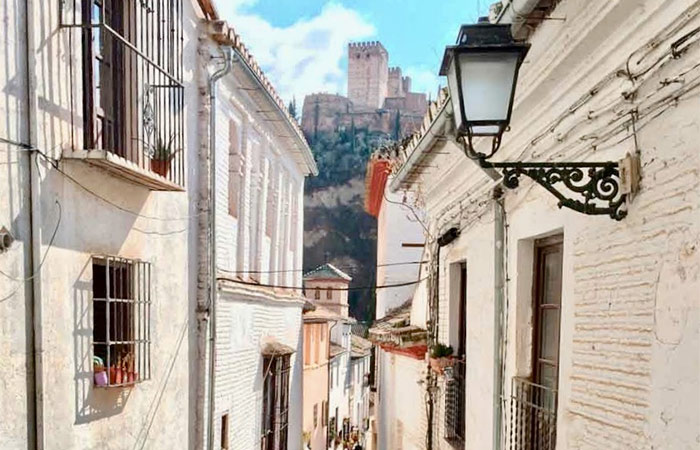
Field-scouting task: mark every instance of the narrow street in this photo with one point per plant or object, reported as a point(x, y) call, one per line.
point(349, 224)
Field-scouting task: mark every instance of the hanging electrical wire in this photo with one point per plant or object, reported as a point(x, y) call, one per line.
point(342, 267)
point(353, 288)
point(54, 163)
point(46, 253)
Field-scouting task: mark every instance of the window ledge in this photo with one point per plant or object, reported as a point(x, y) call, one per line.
point(123, 168)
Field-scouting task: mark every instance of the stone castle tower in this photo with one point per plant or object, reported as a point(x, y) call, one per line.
point(379, 98)
point(368, 73)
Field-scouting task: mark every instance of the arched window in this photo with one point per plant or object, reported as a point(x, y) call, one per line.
point(329, 294)
point(317, 294)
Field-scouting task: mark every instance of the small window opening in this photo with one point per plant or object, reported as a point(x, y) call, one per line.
point(224, 432)
point(121, 329)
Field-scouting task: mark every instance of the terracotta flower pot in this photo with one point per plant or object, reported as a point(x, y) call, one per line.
point(161, 167)
point(116, 375)
point(438, 364)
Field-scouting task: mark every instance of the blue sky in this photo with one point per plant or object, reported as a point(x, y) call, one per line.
point(301, 44)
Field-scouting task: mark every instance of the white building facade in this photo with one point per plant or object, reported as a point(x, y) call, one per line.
point(400, 342)
point(262, 160)
point(359, 398)
point(595, 320)
point(97, 278)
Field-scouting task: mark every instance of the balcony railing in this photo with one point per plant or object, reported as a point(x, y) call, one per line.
point(531, 422)
point(455, 397)
point(133, 95)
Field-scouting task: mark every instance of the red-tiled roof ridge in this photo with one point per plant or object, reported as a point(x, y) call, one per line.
point(227, 34)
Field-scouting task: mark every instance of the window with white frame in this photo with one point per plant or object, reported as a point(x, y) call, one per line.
point(121, 311)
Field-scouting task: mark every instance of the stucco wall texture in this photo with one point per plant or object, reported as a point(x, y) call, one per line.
point(400, 406)
point(268, 186)
point(73, 414)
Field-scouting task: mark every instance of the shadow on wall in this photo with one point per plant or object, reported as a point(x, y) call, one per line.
point(162, 384)
point(93, 403)
point(90, 403)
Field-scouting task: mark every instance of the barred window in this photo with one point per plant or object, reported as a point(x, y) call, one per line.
point(121, 309)
point(275, 418)
point(132, 80)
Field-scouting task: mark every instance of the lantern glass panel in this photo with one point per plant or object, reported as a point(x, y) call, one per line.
point(453, 86)
point(487, 88)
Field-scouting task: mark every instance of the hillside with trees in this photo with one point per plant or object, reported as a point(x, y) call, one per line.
point(336, 227)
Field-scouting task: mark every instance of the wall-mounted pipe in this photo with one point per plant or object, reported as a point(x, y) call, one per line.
point(35, 424)
point(498, 295)
point(516, 13)
point(216, 76)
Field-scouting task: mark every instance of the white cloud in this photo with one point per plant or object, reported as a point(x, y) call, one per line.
point(304, 57)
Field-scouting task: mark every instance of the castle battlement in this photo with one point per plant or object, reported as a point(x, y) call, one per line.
point(368, 46)
point(395, 71)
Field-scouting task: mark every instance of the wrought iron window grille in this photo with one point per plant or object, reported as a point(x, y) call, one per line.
point(531, 420)
point(121, 311)
point(275, 418)
point(455, 401)
point(132, 86)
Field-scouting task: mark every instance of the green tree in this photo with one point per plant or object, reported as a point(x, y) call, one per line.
point(293, 109)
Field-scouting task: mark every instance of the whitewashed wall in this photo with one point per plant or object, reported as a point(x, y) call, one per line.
point(253, 166)
point(396, 225)
point(630, 313)
point(158, 413)
point(401, 409)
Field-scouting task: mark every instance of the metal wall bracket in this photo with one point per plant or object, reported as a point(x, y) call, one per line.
point(589, 188)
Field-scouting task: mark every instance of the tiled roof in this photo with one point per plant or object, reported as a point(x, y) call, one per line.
point(359, 347)
point(395, 328)
point(336, 350)
point(321, 314)
point(327, 272)
point(408, 160)
point(274, 348)
point(224, 34)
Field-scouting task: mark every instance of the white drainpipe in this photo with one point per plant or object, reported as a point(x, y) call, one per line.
point(516, 12)
point(227, 56)
point(36, 423)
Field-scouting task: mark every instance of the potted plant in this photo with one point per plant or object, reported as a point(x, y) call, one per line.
point(122, 372)
point(99, 372)
point(440, 357)
point(162, 154)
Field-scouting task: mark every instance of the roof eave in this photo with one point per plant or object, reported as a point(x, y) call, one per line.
point(223, 34)
point(436, 132)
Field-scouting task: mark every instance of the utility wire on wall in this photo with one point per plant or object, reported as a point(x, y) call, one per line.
point(354, 288)
point(246, 272)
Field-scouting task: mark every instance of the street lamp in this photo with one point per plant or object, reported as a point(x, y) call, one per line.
point(482, 72)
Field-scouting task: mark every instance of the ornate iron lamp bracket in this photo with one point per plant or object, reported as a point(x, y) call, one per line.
point(598, 185)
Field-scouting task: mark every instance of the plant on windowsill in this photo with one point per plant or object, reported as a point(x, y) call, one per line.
point(162, 154)
point(99, 372)
point(440, 358)
point(122, 373)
